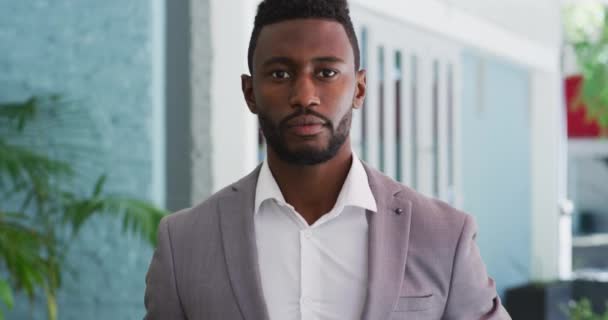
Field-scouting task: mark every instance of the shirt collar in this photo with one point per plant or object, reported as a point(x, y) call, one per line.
point(355, 190)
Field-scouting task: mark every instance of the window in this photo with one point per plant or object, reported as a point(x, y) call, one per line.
point(414, 120)
point(364, 109)
point(398, 151)
point(381, 105)
point(261, 144)
point(450, 133)
point(435, 106)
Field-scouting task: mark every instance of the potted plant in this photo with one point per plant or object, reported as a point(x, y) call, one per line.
point(582, 310)
point(553, 300)
point(586, 30)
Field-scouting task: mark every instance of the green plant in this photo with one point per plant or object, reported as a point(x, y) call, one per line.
point(582, 310)
point(42, 207)
point(586, 28)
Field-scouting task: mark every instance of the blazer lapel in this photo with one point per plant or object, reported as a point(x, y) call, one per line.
point(388, 242)
point(238, 236)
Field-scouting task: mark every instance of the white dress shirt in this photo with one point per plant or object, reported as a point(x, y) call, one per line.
point(318, 271)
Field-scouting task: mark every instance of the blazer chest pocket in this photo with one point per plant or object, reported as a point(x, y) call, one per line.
point(414, 303)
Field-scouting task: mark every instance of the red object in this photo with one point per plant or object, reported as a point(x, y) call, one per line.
point(578, 125)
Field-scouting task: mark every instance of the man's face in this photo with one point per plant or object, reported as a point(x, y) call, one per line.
point(303, 88)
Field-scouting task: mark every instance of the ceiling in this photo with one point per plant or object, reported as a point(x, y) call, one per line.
point(537, 20)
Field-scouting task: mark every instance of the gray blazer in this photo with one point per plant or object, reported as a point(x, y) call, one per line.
point(423, 260)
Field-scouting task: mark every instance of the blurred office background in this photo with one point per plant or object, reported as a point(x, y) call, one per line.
point(470, 101)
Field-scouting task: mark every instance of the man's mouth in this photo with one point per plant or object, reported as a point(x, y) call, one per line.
point(306, 125)
point(306, 130)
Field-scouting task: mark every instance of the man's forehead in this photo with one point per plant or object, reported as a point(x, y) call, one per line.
point(303, 38)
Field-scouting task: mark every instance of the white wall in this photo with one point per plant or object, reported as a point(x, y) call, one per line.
point(536, 20)
point(233, 127)
point(551, 236)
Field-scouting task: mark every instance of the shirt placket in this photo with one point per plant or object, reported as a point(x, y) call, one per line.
point(308, 274)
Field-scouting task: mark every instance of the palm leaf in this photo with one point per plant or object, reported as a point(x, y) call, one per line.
point(6, 294)
point(33, 240)
point(19, 112)
point(138, 217)
point(20, 165)
point(22, 250)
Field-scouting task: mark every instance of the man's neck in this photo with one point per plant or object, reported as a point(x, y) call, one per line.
point(312, 190)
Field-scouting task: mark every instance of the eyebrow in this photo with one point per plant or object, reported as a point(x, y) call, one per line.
point(288, 61)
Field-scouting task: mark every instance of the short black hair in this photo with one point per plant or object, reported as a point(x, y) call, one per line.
point(273, 11)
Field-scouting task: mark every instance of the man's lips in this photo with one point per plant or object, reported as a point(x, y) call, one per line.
point(305, 125)
point(306, 130)
point(304, 121)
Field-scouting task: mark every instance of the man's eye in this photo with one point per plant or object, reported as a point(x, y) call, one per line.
point(280, 74)
point(327, 73)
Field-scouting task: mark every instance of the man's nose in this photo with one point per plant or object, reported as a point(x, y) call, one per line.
point(304, 93)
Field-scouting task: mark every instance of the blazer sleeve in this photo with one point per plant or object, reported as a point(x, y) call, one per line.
point(472, 292)
point(161, 297)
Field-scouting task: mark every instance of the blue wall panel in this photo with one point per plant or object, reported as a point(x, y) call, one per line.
point(496, 164)
point(99, 55)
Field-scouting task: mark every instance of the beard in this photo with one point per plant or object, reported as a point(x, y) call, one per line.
point(275, 138)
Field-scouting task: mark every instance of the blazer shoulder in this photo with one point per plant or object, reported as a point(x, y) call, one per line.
point(204, 212)
point(436, 214)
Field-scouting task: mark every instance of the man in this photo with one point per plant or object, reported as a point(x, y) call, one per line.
point(313, 233)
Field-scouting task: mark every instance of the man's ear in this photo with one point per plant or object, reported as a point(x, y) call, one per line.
point(360, 89)
point(247, 87)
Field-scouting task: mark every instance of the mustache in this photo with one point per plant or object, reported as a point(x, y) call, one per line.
point(304, 112)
